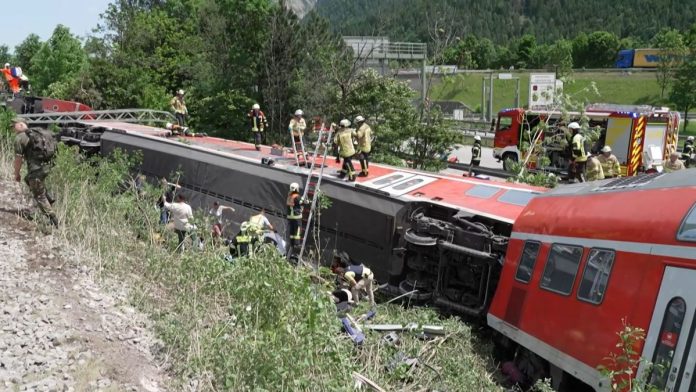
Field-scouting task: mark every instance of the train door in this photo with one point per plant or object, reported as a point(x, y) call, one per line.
point(669, 345)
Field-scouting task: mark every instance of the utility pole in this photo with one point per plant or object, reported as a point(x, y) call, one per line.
point(484, 107)
point(517, 94)
point(490, 99)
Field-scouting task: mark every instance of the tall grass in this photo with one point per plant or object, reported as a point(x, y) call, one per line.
point(258, 324)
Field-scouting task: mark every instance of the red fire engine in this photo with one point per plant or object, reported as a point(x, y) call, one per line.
point(640, 136)
point(583, 258)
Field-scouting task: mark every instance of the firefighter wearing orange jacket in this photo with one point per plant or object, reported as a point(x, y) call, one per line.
point(294, 205)
point(258, 124)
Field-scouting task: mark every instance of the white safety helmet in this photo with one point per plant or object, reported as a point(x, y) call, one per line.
point(359, 119)
point(606, 149)
point(7, 65)
point(244, 226)
point(477, 138)
point(169, 126)
point(690, 138)
point(574, 125)
point(180, 92)
point(294, 187)
point(345, 123)
point(299, 112)
point(256, 106)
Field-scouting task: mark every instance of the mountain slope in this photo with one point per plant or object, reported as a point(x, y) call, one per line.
point(502, 20)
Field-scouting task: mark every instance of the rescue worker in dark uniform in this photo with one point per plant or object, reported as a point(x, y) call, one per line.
point(38, 165)
point(243, 243)
point(364, 137)
point(294, 205)
point(476, 152)
point(356, 275)
point(258, 124)
point(346, 149)
point(688, 151)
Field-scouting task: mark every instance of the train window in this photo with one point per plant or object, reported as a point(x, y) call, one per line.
point(520, 198)
point(687, 230)
point(561, 268)
point(526, 265)
point(482, 191)
point(596, 275)
point(667, 342)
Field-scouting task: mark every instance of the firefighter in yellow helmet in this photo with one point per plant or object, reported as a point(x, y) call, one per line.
point(610, 163)
point(364, 137)
point(243, 243)
point(344, 141)
point(594, 169)
point(294, 205)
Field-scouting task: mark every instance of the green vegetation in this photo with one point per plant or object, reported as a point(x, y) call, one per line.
point(636, 88)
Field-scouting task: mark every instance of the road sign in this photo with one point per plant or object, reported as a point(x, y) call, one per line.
point(541, 90)
point(504, 76)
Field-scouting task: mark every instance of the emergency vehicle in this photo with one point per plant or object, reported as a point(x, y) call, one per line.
point(641, 137)
point(555, 273)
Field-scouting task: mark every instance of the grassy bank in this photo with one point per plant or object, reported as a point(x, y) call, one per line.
point(637, 88)
point(259, 324)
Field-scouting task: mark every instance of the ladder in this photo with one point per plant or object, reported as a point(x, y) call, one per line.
point(137, 116)
point(298, 149)
point(313, 184)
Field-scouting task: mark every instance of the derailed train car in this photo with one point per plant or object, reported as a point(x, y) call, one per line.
point(442, 235)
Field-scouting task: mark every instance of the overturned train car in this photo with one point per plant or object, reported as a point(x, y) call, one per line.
point(441, 235)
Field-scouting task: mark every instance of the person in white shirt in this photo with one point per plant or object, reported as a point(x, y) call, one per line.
point(216, 212)
point(181, 214)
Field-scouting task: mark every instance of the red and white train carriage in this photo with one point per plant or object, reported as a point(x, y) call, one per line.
point(583, 258)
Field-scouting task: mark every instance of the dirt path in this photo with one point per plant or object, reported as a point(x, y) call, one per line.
point(59, 329)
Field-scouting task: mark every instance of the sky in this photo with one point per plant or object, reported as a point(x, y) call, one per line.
point(42, 16)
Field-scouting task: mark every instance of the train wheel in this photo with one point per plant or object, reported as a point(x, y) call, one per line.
point(420, 240)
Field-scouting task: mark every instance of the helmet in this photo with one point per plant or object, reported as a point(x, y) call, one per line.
point(7, 65)
point(168, 126)
point(359, 119)
point(690, 138)
point(244, 226)
point(180, 92)
point(574, 125)
point(294, 187)
point(345, 123)
point(256, 106)
point(606, 149)
point(344, 256)
point(477, 138)
point(299, 112)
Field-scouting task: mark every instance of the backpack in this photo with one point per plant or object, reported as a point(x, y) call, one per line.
point(42, 144)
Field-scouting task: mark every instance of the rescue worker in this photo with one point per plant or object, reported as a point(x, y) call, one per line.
point(364, 137)
point(688, 151)
point(258, 124)
point(13, 82)
point(260, 223)
point(297, 127)
point(216, 212)
point(176, 129)
point(357, 276)
point(578, 152)
point(179, 107)
point(476, 151)
point(344, 141)
point(37, 149)
point(243, 243)
point(181, 215)
point(594, 169)
point(673, 164)
point(294, 205)
point(610, 163)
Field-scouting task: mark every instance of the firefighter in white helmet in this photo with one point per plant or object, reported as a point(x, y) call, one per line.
point(258, 124)
point(294, 205)
point(610, 163)
point(476, 152)
point(688, 151)
point(179, 107)
point(578, 152)
point(673, 164)
point(344, 140)
point(364, 138)
point(297, 127)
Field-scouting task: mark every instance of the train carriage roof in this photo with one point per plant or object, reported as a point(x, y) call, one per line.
point(493, 199)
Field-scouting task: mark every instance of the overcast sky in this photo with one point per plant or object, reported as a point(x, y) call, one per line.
point(42, 16)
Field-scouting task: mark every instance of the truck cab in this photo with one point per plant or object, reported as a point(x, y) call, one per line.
point(506, 144)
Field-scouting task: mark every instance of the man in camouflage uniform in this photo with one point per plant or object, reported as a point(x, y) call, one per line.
point(36, 171)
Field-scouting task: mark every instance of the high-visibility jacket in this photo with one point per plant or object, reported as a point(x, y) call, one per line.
point(594, 170)
point(476, 152)
point(258, 120)
point(344, 141)
point(294, 206)
point(364, 136)
point(610, 166)
point(579, 148)
point(12, 81)
point(178, 105)
point(297, 127)
point(243, 243)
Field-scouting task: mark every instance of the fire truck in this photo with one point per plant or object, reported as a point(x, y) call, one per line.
point(640, 136)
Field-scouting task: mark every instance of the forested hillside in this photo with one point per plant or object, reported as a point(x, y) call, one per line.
point(502, 20)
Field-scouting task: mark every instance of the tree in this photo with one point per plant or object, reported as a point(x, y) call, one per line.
point(525, 51)
point(580, 51)
point(25, 51)
point(671, 42)
point(683, 93)
point(561, 57)
point(59, 59)
point(602, 47)
point(5, 56)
